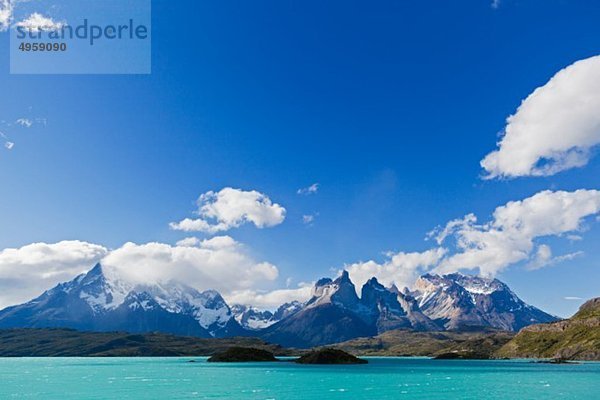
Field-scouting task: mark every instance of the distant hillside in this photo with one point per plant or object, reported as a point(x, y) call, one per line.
point(71, 343)
point(575, 338)
point(410, 343)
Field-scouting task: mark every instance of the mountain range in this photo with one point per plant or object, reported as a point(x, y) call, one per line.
point(334, 313)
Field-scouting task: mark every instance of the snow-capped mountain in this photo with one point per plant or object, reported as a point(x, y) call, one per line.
point(287, 309)
point(100, 301)
point(253, 319)
point(92, 301)
point(460, 301)
point(409, 304)
point(335, 313)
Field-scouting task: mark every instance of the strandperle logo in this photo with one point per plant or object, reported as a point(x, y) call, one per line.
point(86, 31)
point(81, 37)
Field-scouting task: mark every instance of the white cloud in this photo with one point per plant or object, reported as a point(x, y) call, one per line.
point(510, 236)
point(400, 268)
point(312, 189)
point(440, 234)
point(554, 129)
point(231, 208)
point(6, 12)
point(308, 219)
point(573, 298)
point(7, 143)
point(270, 300)
point(37, 22)
point(219, 263)
point(27, 271)
point(189, 242)
point(27, 123)
point(544, 258)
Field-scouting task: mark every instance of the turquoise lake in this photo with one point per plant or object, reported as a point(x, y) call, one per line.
point(382, 378)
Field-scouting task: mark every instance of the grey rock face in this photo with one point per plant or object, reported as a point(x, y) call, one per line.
point(459, 301)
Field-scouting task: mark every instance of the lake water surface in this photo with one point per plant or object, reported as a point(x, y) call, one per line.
point(382, 378)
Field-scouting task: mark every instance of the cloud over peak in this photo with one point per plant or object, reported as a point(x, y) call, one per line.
point(231, 208)
point(218, 263)
point(554, 128)
point(29, 270)
point(401, 268)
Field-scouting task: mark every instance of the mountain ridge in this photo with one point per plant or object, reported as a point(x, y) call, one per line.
point(93, 302)
point(334, 313)
point(576, 338)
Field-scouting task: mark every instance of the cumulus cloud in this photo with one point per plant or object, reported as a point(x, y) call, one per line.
point(511, 235)
point(219, 263)
point(231, 208)
point(189, 242)
point(27, 271)
point(312, 189)
point(37, 22)
point(554, 129)
point(401, 269)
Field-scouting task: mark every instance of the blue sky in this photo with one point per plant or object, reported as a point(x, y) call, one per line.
point(390, 107)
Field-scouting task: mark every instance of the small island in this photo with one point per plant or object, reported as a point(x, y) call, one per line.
point(329, 356)
point(461, 355)
point(558, 360)
point(243, 354)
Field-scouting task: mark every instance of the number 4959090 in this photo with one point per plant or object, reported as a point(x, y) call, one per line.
point(42, 46)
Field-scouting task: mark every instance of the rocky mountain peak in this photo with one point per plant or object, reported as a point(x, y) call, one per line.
point(461, 301)
point(344, 278)
point(374, 295)
point(340, 292)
